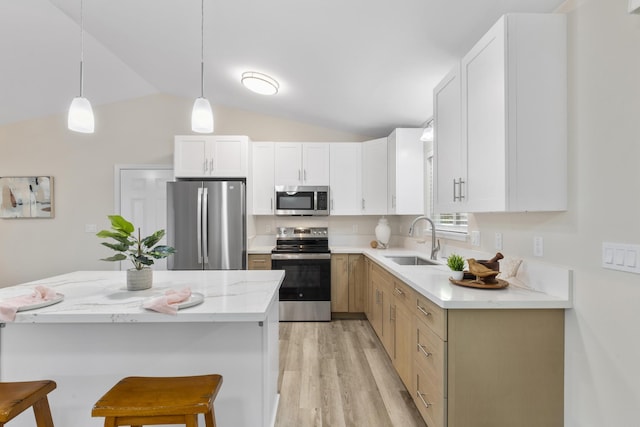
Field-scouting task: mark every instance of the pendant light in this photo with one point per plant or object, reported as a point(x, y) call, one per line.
point(80, 117)
point(202, 115)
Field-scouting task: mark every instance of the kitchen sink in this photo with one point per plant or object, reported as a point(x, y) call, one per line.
point(410, 260)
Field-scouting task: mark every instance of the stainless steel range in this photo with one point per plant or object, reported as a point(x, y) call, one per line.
point(304, 255)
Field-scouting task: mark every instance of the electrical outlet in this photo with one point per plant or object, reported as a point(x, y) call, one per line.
point(538, 246)
point(475, 238)
point(498, 243)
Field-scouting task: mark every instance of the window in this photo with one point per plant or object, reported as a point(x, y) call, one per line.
point(450, 222)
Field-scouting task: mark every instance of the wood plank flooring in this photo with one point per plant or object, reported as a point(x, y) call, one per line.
point(337, 374)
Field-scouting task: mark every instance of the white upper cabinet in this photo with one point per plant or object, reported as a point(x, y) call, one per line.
point(345, 178)
point(304, 163)
point(514, 116)
point(405, 173)
point(262, 178)
point(450, 159)
point(374, 177)
point(211, 156)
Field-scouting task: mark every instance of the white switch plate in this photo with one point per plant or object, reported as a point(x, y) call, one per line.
point(538, 246)
point(498, 243)
point(621, 256)
point(475, 238)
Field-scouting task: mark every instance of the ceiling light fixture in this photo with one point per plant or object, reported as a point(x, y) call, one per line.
point(202, 115)
point(260, 83)
point(80, 118)
point(427, 134)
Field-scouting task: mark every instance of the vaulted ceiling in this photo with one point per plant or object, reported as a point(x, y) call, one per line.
point(362, 66)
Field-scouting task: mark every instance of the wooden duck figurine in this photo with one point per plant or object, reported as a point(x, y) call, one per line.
point(483, 274)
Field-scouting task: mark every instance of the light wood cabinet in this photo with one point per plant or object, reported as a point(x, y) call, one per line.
point(347, 283)
point(211, 156)
point(304, 163)
point(405, 172)
point(374, 177)
point(262, 155)
point(514, 115)
point(259, 262)
point(471, 367)
point(345, 177)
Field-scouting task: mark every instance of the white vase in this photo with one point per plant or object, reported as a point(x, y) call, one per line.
point(383, 232)
point(457, 275)
point(139, 280)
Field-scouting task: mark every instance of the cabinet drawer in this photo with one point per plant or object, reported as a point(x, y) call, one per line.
point(431, 404)
point(433, 316)
point(430, 355)
point(260, 262)
point(404, 294)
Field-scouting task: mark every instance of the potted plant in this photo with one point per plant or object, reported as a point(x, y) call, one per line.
point(141, 251)
point(456, 264)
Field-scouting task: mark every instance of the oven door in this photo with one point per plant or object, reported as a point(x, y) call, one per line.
point(307, 276)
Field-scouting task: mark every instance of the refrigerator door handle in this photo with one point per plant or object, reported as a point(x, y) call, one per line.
point(199, 226)
point(205, 228)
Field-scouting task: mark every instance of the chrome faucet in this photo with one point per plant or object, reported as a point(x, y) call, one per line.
point(435, 247)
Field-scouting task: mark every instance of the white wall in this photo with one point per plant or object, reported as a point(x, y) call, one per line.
point(139, 131)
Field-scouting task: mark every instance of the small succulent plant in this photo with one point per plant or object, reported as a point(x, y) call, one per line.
point(455, 262)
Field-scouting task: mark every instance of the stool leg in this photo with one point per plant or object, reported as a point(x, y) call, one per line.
point(210, 418)
point(191, 420)
point(42, 411)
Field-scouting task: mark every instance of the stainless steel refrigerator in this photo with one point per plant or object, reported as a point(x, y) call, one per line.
point(206, 224)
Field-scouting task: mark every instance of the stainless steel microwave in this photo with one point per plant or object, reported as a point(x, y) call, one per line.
point(302, 200)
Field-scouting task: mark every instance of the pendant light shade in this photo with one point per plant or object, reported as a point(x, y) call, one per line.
point(202, 115)
point(80, 118)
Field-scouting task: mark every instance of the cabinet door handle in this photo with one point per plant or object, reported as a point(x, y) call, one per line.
point(393, 201)
point(205, 165)
point(460, 195)
point(211, 161)
point(304, 174)
point(426, 313)
point(399, 291)
point(427, 404)
point(331, 204)
point(362, 204)
point(271, 204)
point(454, 190)
point(423, 349)
point(260, 261)
point(299, 175)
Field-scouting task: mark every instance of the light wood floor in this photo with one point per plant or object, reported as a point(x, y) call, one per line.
point(337, 374)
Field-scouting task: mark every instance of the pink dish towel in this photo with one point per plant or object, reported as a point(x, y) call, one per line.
point(9, 308)
point(168, 303)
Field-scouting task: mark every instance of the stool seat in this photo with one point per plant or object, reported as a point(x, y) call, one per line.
point(138, 401)
point(16, 397)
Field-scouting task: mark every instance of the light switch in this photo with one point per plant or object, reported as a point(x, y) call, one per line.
point(630, 258)
point(619, 256)
point(608, 255)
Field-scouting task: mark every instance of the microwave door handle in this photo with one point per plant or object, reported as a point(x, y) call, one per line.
point(205, 227)
point(199, 226)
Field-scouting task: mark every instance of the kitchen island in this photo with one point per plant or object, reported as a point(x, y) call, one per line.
point(100, 333)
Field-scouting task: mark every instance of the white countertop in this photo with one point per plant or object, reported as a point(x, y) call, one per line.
point(102, 297)
point(433, 283)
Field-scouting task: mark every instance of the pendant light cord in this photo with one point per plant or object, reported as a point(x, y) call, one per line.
point(202, 50)
point(81, 46)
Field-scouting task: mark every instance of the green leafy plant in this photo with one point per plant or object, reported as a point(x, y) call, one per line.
point(455, 262)
point(141, 252)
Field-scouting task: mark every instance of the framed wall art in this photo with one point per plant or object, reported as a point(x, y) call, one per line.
point(26, 197)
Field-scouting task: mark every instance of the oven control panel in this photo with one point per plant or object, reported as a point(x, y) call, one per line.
point(302, 232)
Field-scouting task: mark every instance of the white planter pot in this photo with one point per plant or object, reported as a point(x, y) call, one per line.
point(138, 280)
point(457, 275)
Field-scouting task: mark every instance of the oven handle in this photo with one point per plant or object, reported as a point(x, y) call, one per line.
point(299, 256)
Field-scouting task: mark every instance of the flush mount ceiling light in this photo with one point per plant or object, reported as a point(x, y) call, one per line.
point(202, 115)
point(427, 134)
point(260, 83)
point(80, 118)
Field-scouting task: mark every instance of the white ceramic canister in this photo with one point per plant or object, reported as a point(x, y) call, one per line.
point(383, 232)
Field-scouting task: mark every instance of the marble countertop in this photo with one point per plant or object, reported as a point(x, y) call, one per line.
point(102, 297)
point(550, 289)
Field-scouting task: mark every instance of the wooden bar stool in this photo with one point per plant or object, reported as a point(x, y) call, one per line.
point(16, 397)
point(139, 401)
